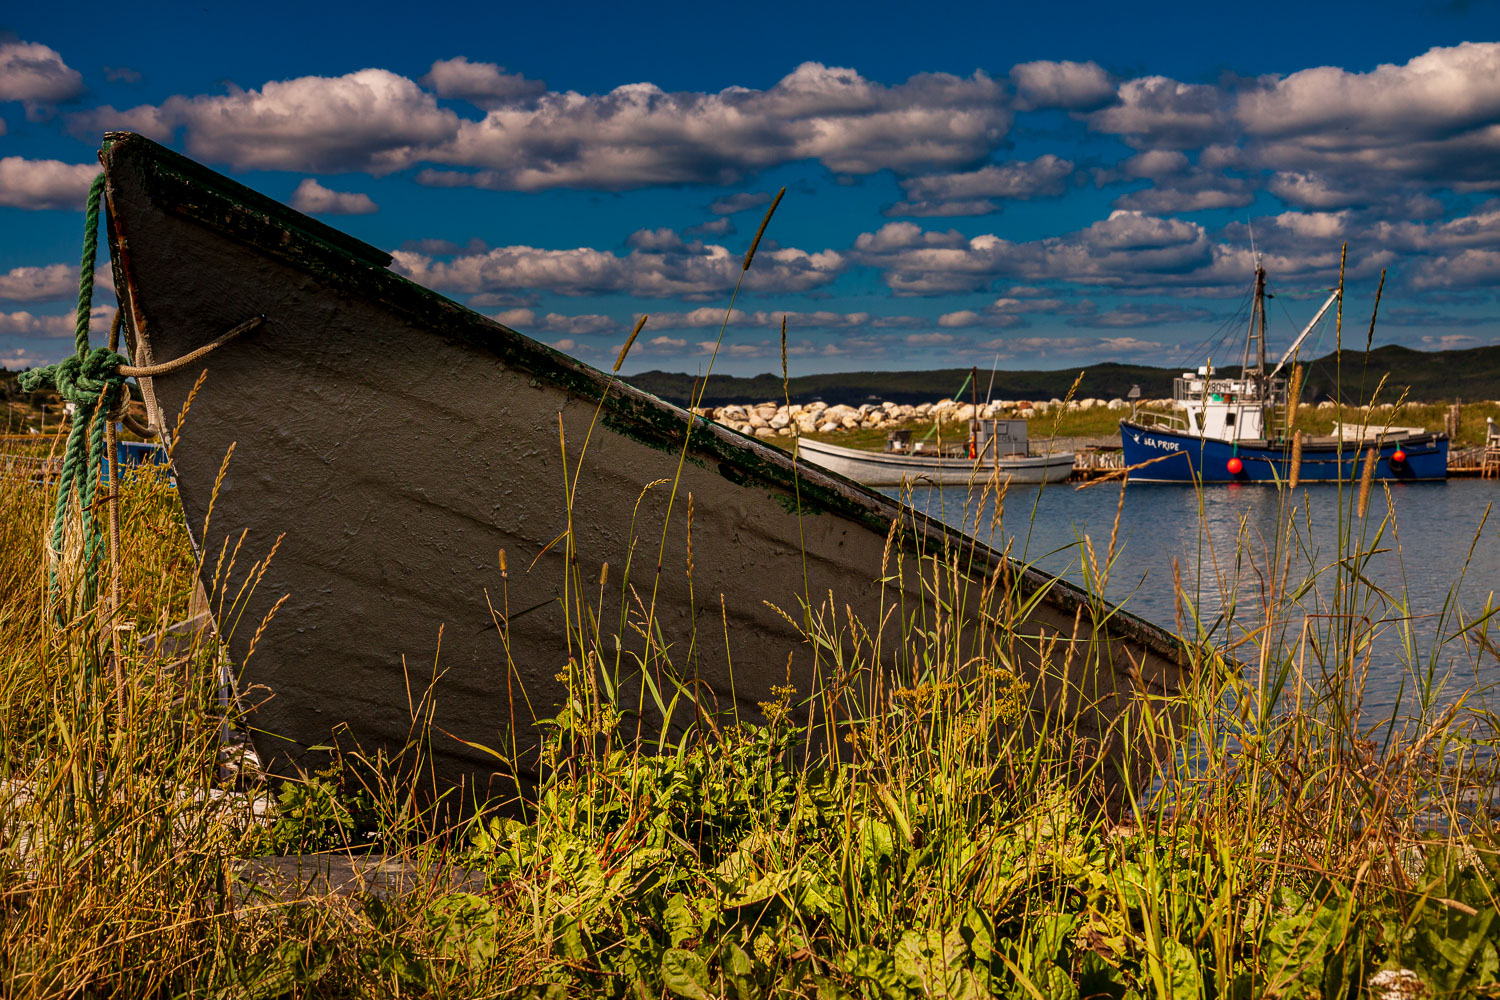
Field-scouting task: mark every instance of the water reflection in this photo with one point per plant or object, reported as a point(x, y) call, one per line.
point(1419, 568)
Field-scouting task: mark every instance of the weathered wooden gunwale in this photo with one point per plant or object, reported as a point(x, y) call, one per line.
point(195, 253)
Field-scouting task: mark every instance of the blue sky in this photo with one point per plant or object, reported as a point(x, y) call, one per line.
point(1058, 185)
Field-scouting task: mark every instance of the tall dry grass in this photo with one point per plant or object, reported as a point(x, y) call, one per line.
point(931, 828)
point(1287, 845)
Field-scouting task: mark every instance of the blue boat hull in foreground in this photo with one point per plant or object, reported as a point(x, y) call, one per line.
point(1183, 458)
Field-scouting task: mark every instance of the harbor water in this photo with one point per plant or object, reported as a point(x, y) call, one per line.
point(1430, 567)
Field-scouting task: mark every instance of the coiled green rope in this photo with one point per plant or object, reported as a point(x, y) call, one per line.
point(92, 382)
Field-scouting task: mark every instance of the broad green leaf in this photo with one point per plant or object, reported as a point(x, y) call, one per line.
point(464, 927)
point(760, 891)
point(977, 931)
point(679, 920)
point(1182, 969)
point(686, 974)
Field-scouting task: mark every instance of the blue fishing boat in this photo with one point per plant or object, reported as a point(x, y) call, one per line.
point(130, 454)
point(1237, 430)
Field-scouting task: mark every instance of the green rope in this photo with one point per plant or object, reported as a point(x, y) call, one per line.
point(91, 381)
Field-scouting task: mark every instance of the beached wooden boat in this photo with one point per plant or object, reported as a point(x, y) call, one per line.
point(397, 443)
point(884, 468)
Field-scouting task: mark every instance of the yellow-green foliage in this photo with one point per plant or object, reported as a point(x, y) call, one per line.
point(957, 843)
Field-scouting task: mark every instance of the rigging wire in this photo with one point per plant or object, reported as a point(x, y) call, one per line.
point(1220, 334)
point(1310, 348)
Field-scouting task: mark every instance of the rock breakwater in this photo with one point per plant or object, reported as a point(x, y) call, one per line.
point(772, 419)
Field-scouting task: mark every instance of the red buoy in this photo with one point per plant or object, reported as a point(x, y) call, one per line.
point(1235, 466)
point(1398, 456)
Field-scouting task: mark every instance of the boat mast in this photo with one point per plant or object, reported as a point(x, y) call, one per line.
point(1256, 340)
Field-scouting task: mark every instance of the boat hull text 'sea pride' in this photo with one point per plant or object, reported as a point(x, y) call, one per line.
point(396, 442)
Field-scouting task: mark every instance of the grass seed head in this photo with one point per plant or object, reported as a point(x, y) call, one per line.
point(750, 254)
point(1366, 478)
point(625, 349)
point(1296, 468)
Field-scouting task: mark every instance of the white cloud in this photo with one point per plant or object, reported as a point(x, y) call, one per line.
point(159, 123)
point(482, 84)
point(906, 236)
point(26, 324)
point(713, 317)
point(530, 322)
point(722, 226)
point(1070, 85)
point(1048, 348)
point(1159, 113)
point(1478, 229)
point(1117, 346)
point(660, 266)
point(661, 239)
point(969, 193)
point(1425, 255)
point(1321, 226)
point(1466, 269)
point(1129, 251)
point(1008, 311)
point(315, 199)
point(1193, 191)
point(1451, 342)
point(1316, 190)
point(1143, 314)
point(38, 184)
point(743, 200)
point(1332, 138)
point(634, 135)
point(34, 73)
point(961, 318)
point(1435, 96)
point(943, 209)
point(639, 134)
point(1155, 163)
point(39, 284)
point(17, 358)
point(371, 120)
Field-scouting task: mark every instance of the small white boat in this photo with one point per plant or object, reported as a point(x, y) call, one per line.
point(1001, 449)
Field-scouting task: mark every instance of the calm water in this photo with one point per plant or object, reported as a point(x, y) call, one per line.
point(1223, 546)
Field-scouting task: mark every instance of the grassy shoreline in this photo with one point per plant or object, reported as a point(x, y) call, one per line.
point(1282, 847)
point(1105, 424)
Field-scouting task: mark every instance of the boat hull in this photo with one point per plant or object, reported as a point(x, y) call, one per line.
point(873, 468)
point(467, 523)
point(1175, 457)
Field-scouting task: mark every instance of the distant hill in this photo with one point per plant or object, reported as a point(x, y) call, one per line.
point(1104, 381)
point(1429, 376)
